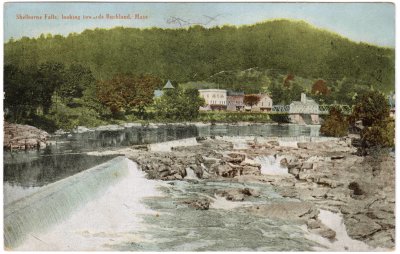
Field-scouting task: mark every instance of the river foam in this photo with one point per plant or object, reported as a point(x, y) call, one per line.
point(270, 165)
point(103, 222)
point(343, 241)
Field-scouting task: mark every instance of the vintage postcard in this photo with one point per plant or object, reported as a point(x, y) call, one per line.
point(217, 126)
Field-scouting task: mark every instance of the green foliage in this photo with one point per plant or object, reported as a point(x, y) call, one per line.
point(77, 79)
point(371, 107)
point(379, 134)
point(127, 92)
point(67, 118)
point(238, 57)
point(285, 94)
point(335, 125)
point(29, 91)
point(50, 78)
point(373, 110)
point(48, 71)
point(178, 105)
point(18, 88)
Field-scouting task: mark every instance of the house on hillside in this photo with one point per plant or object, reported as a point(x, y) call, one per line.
point(215, 99)
point(305, 111)
point(235, 101)
point(158, 93)
point(265, 103)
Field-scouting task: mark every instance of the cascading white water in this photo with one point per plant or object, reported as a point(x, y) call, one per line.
point(105, 221)
point(34, 216)
point(54, 202)
point(271, 165)
point(343, 242)
point(222, 203)
point(13, 192)
point(190, 174)
point(166, 146)
point(240, 145)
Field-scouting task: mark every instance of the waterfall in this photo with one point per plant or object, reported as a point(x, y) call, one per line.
point(343, 241)
point(271, 165)
point(51, 204)
point(14, 192)
point(190, 174)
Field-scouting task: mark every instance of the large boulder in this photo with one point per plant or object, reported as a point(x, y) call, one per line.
point(286, 210)
point(17, 136)
point(361, 226)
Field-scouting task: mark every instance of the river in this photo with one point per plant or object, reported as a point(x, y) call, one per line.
point(61, 198)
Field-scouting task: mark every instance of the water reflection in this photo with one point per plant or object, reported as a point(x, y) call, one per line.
point(42, 170)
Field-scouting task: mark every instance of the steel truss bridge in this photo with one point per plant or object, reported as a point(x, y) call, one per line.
point(310, 109)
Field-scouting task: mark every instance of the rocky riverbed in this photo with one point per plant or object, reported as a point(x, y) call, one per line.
point(321, 175)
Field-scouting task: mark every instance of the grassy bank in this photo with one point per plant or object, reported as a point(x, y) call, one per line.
point(231, 117)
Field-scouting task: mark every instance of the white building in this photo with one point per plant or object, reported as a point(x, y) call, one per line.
point(215, 99)
point(265, 103)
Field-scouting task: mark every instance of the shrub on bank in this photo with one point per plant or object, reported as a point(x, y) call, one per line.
point(379, 134)
point(373, 110)
point(335, 124)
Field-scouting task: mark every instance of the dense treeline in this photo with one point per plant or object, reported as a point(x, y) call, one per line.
point(105, 76)
point(217, 55)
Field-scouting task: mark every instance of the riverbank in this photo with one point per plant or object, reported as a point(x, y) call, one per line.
point(323, 176)
point(23, 137)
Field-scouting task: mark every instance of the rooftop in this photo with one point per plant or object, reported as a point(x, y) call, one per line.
point(233, 93)
point(168, 85)
point(158, 93)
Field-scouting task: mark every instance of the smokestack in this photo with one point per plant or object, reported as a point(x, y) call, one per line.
point(303, 97)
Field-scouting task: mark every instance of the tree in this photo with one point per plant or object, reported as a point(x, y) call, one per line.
point(20, 93)
point(285, 95)
point(373, 110)
point(320, 88)
point(50, 77)
point(77, 79)
point(277, 93)
point(371, 107)
point(251, 99)
point(335, 125)
point(179, 105)
point(124, 93)
point(288, 79)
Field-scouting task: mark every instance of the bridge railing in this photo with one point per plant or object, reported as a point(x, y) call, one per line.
point(310, 109)
point(280, 108)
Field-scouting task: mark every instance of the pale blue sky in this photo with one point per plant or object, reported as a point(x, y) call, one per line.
point(368, 22)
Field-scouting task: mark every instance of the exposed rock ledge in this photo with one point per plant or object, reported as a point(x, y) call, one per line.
point(323, 175)
point(18, 136)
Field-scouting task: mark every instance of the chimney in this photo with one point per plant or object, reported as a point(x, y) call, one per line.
point(303, 98)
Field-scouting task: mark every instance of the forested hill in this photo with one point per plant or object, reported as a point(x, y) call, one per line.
point(196, 53)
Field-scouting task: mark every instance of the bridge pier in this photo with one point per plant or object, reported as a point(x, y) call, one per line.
point(304, 118)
